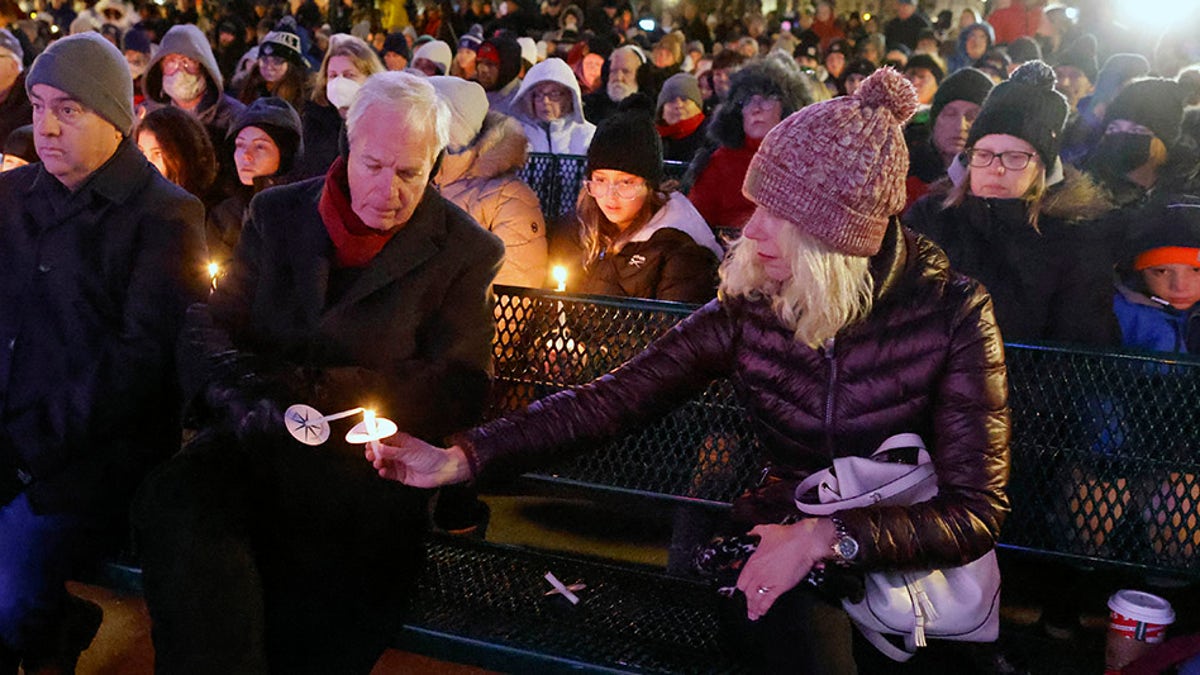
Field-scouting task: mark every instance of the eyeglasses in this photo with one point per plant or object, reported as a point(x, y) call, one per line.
point(1013, 160)
point(625, 189)
point(760, 102)
point(173, 63)
point(554, 94)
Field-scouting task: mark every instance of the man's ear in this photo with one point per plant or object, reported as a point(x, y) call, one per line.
point(437, 165)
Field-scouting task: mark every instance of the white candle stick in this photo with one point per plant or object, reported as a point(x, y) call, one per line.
point(372, 431)
point(561, 588)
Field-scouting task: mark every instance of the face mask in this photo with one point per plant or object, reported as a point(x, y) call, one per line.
point(183, 86)
point(1122, 153)
point(341, 91)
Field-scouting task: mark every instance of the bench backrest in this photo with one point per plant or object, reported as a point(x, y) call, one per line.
point(1106, 450)
point(557, 178)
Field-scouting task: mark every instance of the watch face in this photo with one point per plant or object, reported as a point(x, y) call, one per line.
point(847, 548)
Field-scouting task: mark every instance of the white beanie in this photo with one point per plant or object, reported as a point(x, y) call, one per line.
point(468, 105)
point(436, 51)
point(529, 50)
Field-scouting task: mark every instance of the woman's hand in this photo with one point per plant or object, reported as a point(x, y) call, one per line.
point(786, 553)
point(414, 462)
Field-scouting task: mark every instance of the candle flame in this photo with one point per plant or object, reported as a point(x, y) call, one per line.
point(560, 277)
point(213, 269)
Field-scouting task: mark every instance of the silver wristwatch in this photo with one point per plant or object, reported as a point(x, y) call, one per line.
point(845, 547)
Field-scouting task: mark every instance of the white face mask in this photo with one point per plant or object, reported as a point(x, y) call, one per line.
point(183, 86)
point(341, 91)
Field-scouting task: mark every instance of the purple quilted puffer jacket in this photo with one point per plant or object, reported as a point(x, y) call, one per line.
point(929, 360)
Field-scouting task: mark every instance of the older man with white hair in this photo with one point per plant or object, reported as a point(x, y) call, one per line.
point(364, 287)
point(627, 74)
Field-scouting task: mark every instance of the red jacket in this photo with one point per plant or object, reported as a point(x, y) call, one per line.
point(1015, 21)
point(717, 192)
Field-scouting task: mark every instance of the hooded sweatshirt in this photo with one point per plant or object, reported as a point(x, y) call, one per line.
point(216, 110)
point(569, 135)
point(959, 59)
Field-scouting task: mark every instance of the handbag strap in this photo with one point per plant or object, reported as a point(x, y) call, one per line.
point(920, 472)
point(918, 475)
point(883, 645)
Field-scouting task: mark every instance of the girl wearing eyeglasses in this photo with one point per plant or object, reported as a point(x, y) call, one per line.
point(639, 241)
point(1013, 222)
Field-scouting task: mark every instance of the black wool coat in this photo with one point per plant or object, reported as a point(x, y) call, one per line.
point(411, 334)
point(94, 286)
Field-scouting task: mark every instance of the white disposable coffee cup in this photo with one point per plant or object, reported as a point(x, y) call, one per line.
point(1136, 620)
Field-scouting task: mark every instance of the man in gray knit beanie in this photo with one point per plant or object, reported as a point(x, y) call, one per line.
point(102, 256)
point(83, 105)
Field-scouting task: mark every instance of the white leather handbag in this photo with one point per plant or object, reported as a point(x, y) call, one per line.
point(950, 603)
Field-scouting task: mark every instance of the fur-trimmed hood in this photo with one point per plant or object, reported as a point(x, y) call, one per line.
point(499, 148)
point(1078, 198)
point(774, 75)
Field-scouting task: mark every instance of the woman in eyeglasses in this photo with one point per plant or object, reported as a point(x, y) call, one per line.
point(639, 241)
point(1012, 221)
point(549, 105)
point(760, 95)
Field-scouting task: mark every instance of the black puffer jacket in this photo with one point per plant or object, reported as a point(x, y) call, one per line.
point(927, 360)
point(1054, 284)
point(673, 257)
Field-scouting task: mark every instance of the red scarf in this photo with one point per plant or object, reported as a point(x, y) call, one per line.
point(682, 128)
point(354, 243)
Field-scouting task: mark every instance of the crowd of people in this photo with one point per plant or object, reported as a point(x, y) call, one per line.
point(209, 212)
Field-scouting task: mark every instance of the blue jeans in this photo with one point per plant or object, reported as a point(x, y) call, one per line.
point(38, 553)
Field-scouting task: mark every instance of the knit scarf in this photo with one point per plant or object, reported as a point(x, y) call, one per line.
point(354, 243)
point(682, 128)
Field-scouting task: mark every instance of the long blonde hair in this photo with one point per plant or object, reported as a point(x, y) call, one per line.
point(827, 291)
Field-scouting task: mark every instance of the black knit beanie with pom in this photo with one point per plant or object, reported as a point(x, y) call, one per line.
point(1028, 107)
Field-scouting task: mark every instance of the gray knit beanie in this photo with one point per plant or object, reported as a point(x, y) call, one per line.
point(680, 85)
point(92, 71)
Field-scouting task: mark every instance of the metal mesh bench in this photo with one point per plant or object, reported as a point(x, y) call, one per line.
point(1105, 447)
point(1105, 472)
point(486, 604)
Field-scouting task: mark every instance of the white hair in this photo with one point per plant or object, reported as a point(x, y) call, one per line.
point(410, 96)
point(827, 291)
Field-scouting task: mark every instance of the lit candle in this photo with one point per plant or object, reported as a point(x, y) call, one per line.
point(560, 277)
point(214, 271)
point(372, 430)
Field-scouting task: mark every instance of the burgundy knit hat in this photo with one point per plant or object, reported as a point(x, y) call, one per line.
point(836, 169)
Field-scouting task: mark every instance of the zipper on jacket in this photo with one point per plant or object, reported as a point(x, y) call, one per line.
point(827, 352)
